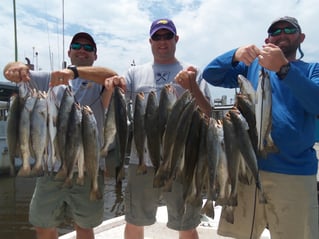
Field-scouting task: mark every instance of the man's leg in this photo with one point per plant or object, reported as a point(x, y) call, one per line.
point(133, 232)
point(46, 233)
point(83, 233)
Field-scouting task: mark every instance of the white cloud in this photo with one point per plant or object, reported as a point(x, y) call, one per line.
point(207, 28)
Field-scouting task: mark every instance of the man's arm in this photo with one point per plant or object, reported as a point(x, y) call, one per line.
point(94, 73)
point(187, 79)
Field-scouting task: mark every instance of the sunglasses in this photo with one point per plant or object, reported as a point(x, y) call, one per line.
point(286, 30)
point(86, 47)
point(166, 36)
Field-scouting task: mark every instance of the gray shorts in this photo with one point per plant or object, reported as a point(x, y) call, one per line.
point(142, 200)
point(52, 205)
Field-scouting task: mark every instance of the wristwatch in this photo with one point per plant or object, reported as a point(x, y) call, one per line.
point(75, 71)
point(283, 71)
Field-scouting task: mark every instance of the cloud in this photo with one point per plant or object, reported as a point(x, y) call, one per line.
point(207, 28)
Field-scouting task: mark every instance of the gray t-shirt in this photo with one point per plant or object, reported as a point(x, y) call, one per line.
point(153, 77)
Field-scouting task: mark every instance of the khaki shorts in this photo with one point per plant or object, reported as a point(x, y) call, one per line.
point(291, 211)
point(52, 205)
point(142, 200)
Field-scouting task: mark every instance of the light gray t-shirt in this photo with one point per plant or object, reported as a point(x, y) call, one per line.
point(153, 77)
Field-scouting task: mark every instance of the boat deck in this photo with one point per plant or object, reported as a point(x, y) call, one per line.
point(114, 228)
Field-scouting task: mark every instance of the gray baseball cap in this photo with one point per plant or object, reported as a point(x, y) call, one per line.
point(293, 21)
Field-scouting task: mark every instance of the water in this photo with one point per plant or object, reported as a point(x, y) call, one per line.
point(15, 196)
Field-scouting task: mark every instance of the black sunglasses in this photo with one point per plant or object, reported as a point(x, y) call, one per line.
point(86, 47)
point(286, 30)
point(166, 36)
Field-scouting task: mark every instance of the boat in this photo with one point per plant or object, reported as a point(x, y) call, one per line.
point(114, 228)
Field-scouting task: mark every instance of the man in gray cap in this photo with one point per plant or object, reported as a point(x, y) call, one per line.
point(288, 174)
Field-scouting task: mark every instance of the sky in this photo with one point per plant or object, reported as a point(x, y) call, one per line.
point(207, 28)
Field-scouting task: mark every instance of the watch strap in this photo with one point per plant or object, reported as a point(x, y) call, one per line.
point(282, 73)
point(75, 71)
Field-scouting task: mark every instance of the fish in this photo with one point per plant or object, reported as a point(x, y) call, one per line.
point(247, 108)
point(169, 137)
point(53, 108)
point(214, 137)
point(191, 157)
point(13, 130)
point(74, 146)
point(233, 157)
point(109, 131)
point(263, 113)
point(91, 150)
point(139, 133)
point(221, 188)
point(62, 125)
point(246, 88)
point(152, 130)
point(39, 133)
point(24, 133)
point(214, 140)
point(168, 98)
point(246, 149)
point(121, 130)
point(171, 169)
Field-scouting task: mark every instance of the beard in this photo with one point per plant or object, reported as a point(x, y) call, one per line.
point(288, 47)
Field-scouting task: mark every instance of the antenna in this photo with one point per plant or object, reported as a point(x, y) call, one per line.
point(63, 57)
point(15, 31)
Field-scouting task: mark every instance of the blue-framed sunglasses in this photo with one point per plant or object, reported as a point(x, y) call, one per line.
point(286, 30)
point(86, 47)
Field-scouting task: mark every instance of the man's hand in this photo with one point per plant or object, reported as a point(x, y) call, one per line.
point(61, 77)
point(109, 85)
point(187, 78)
point(246, 54)
point(16, 72)
point(272, 58)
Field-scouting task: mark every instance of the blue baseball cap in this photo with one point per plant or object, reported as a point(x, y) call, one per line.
point(162, 23)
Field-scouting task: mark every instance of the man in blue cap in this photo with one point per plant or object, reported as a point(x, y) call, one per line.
point(142, 199)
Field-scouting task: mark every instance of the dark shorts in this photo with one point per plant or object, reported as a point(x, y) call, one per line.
point(142, 200)
point(51, 204)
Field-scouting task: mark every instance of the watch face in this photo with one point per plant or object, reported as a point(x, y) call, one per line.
point(283, 71)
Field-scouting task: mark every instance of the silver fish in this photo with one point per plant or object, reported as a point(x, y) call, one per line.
point(39, 133)
point(246, 88)
point(264, 115)
point(91, 149)
point(74, 145)
point(171, 169)
point(168, 98)
point(121, 129)
point(233, 157)
point(246, 148)
point(169, 137)
point(191, 158)
point(24, 133)
point(139, 133)
point(62, 125)
point(52, 127)
point(109, 131)
point(13, 130)
point(152, 131)
point(247, 108)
